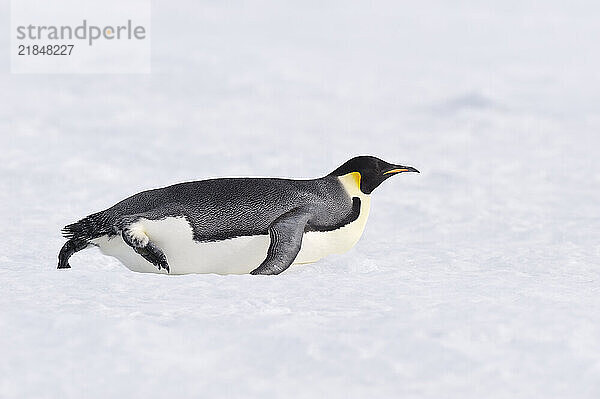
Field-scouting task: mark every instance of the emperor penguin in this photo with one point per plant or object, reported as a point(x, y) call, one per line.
point(235, 225)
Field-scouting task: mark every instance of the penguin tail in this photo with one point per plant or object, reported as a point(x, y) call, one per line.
point(88, 228)
point(80, 234)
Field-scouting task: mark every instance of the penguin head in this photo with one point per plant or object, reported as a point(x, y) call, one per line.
point(372, 171)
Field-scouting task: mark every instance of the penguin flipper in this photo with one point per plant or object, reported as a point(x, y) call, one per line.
point(286, 239)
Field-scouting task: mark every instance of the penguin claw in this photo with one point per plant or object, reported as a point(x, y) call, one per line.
point(160, 264)
point(164, 265)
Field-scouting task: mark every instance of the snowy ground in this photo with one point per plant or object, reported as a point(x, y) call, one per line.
point(480, 277)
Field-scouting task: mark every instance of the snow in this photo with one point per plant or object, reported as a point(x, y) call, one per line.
point(479, 277)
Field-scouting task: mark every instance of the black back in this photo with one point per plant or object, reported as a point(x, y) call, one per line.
point(218, 209)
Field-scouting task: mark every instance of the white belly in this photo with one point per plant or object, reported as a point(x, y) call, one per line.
point(238, 255)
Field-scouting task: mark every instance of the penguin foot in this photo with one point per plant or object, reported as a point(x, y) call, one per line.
point(154, 255)
point(140, 242)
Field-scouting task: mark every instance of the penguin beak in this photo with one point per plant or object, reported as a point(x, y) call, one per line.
point(400, 169)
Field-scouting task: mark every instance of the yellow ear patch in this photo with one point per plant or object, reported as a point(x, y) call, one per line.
point(351, 182)
point(356, 176)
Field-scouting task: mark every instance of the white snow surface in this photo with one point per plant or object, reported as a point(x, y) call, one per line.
point(480, 277)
